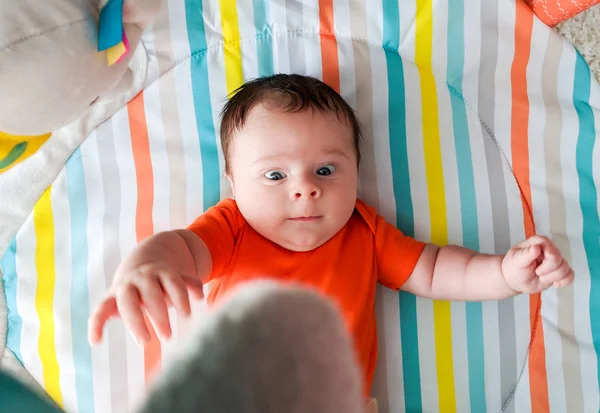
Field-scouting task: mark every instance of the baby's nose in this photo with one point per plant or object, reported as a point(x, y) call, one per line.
point(306, 190)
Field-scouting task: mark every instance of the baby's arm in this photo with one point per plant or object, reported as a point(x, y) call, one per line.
point(159, 272)
point(459, 274)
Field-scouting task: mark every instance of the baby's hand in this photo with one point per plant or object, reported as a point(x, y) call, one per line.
point(534, 265)
point(150, 288)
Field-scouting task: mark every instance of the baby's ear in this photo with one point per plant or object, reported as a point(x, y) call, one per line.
point(231, 184)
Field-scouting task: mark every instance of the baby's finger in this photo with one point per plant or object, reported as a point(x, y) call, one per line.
point(558, 274)
point(194, 286)
point(551, 262)
point(105, 310)
point(565, 281)
point(177, 293)
point(154, 302)
point(534, 240)
point(526, 256)
point(130, 308)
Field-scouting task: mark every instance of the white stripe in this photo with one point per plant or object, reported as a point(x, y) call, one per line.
point(408, 29)
point(311, 39)
point(393, 348)
point(96, 281)
point(249, 43)
point(514, 204)
point(191, 141)
point(427, 356)
point(439, 46)
point(345, 51)
point(553, 346)
point(211, 13)
point(297, 42)
point(503, 86)
point(159, 157)
point(491, 340)
point(62, 290)
point(522, 336)
point(460, 357)
point(127, 240)
point(26, 292)
point(281, 55)
point(581, 288)
point(522, 394)
point(153, 71)
point(374, 10)
point(472, 47)
point(178, 29)
point(250, 58)
point(312, 51)
point(246, 26)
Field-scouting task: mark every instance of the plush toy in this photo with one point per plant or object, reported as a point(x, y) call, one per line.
point(267, 348)
point(57, 60)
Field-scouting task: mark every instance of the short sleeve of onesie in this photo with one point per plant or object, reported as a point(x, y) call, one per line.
point(397, 254)
point(219, 228)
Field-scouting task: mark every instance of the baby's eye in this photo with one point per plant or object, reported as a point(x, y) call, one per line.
point(275, 175)
point(326, 170)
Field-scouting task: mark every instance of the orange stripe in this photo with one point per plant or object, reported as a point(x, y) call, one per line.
point(329, 50)
point(144, 226)
point(538, 381)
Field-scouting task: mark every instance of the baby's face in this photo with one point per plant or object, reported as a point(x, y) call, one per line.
point(294, 175)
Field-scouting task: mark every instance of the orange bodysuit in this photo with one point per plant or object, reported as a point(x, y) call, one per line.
point(346, 268)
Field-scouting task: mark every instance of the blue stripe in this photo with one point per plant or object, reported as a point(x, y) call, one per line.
point(468, 202)
point(404, 209)
point(80, 303)
point(9, 281)
point(588, 196)
point(209, 152)
point(264, 43)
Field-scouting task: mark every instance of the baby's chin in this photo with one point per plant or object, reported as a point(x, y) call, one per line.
point(301, 245)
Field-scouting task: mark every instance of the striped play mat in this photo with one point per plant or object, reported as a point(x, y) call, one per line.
point(479, 130)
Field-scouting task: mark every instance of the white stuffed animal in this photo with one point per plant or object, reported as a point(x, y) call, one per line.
point(267, 348)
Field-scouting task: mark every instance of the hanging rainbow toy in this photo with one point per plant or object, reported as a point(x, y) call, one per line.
point(111, 34)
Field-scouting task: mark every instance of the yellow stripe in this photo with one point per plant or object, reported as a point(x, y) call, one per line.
point(234, 75)
point(437, 198)
point(44, 298)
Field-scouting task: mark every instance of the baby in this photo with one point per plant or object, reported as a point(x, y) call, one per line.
point(291, 147)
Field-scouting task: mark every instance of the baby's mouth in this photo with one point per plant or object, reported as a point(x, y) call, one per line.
point(311, 218)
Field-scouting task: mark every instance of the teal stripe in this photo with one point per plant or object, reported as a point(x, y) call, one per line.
point(588, 196)
point(264, 44)
point(209, 152)
point(80, 303)
point(468, 202)
point(404, 209)
point(9, 282)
